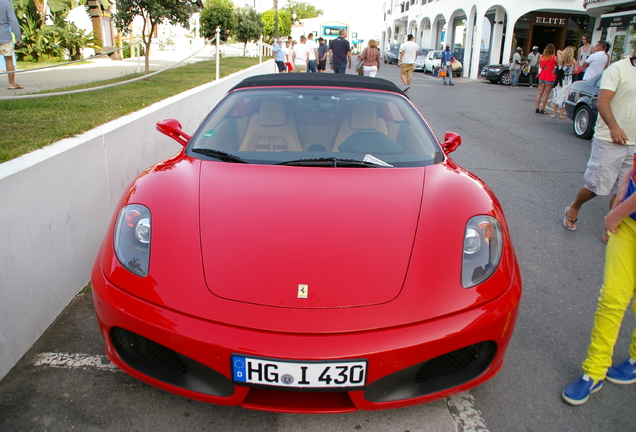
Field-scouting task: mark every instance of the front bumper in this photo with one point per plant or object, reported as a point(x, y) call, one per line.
point(490, 74)
point(407, 365)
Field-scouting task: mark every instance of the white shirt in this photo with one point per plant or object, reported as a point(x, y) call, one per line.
point(410, 52)
point(301, 51)
point(620, 77)
point(596, 65)
point(312, 46)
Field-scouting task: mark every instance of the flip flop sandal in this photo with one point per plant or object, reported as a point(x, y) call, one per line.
point(18, 87)
point(567, 219)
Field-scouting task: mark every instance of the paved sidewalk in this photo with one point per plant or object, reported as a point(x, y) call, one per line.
point(101, 68)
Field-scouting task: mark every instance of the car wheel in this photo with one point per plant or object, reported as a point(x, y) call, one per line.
point(582, 125)
point(385, 61)
point(505, 78)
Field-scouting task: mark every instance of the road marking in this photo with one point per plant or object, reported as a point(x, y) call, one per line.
point(462, 409)
point(72, 361)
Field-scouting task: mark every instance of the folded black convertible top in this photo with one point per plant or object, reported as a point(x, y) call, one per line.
point(319, 80)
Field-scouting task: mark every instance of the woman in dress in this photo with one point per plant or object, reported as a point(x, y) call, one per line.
point(547, 63)
point(370, 59)
point(567, 66)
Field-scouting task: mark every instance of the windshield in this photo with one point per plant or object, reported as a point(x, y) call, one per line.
point(394, 49)
point(421, 53)
point(315, 127)
point(437, 55)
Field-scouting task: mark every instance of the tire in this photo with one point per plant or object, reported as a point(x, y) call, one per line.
point(384, 60)
point(583, 125)
point(505, 78)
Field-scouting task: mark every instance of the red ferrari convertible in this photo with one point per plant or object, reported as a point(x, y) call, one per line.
point(312, 249)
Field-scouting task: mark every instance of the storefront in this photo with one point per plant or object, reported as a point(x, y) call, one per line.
point(616, 24)
point(486, 33)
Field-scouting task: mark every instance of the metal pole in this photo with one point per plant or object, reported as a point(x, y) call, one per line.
point(218, 33)
point(260, 49)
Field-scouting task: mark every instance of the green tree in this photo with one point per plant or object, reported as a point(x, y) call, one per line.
point(284, 23)
point(153, 12)
point(249, 26)
point(218, 13)
point(303, 10)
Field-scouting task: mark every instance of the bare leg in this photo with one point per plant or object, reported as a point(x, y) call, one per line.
point(539, 93)
point(582, 197)
point(10, 68)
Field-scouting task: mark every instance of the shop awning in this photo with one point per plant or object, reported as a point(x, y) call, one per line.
point(619, 19)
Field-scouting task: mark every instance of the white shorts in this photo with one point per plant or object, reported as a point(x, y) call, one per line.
point(7, 50)
point(607, 166)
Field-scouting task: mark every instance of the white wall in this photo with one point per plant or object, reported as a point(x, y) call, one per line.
point(55, 205)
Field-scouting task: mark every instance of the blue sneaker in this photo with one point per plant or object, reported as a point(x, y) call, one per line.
point(624, 373)
point(580, 390)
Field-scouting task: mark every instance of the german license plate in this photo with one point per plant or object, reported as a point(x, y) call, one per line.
point(349, 375)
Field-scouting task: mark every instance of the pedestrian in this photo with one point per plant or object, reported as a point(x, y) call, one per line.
point(566, 66)
point(279, 56)
point(300, 54)
point(613, 144)
point(408, 54)
point(370, 59)
point(533, 59)
point(9, 27)
point(597, 62)
point(585, 51)
point(515, 68)
point(547, 63)
point(288, 56)
point(340, 53)
point(323, 51)
point(618, 87)
point(445, 65)
point(313, 53)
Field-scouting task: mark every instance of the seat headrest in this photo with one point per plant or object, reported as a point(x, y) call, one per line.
point(363, 115)
point(272, 113)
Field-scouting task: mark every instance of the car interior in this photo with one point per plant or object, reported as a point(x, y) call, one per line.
point(315, 123)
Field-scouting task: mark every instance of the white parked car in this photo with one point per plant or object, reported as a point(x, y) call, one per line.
point(433, 61)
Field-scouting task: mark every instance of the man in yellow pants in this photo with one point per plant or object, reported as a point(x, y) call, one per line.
point(619, 286)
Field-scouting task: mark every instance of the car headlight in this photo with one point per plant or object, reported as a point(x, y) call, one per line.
point(132, 238)
point(483, 244)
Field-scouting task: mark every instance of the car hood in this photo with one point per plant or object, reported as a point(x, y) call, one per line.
point(496, 66)
point(268, 233)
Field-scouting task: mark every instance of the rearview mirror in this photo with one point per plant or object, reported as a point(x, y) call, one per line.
point(451, 142)
point(172, 128)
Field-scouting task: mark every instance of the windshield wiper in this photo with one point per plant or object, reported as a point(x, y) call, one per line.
point(220, 155)
point(368, 162)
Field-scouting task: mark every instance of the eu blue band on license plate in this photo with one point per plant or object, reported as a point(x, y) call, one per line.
point(349, 375)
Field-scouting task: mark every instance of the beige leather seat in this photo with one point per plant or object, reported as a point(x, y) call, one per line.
point(271, 129)
point(362, 116)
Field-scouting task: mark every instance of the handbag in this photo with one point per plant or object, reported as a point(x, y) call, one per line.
point(289, 67)
point(359, 67)
point(455, 64)
point(442, 73)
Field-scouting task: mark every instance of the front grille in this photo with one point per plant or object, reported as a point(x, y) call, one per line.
point(147, 351)
point(163, 364)
point(453, 362)
point(437, 374)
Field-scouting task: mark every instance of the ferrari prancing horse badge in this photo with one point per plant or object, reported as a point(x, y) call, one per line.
point(303, 290)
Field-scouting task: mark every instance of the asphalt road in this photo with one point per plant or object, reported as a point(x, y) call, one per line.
point(534, 164)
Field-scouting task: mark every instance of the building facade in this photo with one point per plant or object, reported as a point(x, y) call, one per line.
point(488, 31)
point(615, 23)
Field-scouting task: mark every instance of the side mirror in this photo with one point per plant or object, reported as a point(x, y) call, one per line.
point(172, 128)
point(451, 142)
